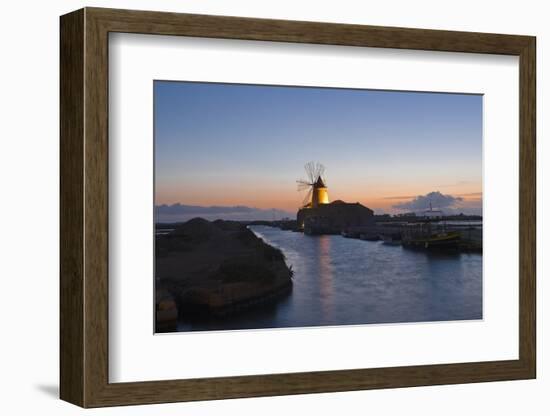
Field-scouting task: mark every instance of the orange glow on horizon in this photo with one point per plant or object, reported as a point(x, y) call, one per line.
point(292, 201)
point(377, 193)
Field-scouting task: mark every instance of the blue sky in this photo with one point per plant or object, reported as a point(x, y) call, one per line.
point(232, 144)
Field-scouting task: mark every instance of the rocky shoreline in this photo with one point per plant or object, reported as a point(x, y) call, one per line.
point(219, 268)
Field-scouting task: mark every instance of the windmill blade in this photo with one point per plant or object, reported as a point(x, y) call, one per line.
point(314, 170)
point(310, 171)
point(303, 185)
point(307, 198)
point(320, 171)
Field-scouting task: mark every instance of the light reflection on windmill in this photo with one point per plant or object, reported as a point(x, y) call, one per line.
point(315, 184)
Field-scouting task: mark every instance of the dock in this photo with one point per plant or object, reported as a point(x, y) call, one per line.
point(470, 234)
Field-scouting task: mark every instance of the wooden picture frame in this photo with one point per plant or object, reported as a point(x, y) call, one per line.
point(84, 207)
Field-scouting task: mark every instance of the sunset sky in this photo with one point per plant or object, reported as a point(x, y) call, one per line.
point(246, 145)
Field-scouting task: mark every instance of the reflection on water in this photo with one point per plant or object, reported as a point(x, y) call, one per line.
point(325, 276)
point(339, 281)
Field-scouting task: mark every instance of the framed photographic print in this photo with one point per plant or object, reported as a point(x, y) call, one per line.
point(255, 207)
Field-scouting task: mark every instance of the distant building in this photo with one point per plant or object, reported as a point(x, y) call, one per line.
point(432, 213)
point(319, 216)
point(407, 214)
point(334, 217)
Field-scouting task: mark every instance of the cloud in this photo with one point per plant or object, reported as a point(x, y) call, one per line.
point(180, 212)
point(437, 199)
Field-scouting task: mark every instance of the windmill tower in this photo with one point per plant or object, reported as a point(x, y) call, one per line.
point(317, 193)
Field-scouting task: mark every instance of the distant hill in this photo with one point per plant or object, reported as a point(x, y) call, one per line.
point(180, 212)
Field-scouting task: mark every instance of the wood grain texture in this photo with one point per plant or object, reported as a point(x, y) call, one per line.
point(96, 217)
point(84, 207)
point(162, 23)
point(71, 100)
point(527, 207)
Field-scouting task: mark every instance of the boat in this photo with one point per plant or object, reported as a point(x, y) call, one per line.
point(428, 235)
point(442, 240)
point(369, 236)
point(348, 234)
point(393, 239)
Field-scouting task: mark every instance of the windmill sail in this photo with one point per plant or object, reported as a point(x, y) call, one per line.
point(307, 198)
point(315, 184)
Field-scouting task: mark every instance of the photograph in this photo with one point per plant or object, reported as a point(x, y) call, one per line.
point(284, 206)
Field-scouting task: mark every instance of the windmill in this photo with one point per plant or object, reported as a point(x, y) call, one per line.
point(315, 184)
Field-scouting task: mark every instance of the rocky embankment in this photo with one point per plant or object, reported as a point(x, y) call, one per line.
point(215, 268)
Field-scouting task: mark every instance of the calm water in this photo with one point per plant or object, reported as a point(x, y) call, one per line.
point(341, 281)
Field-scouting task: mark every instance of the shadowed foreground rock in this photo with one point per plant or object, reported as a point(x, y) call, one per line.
point(213, 269)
